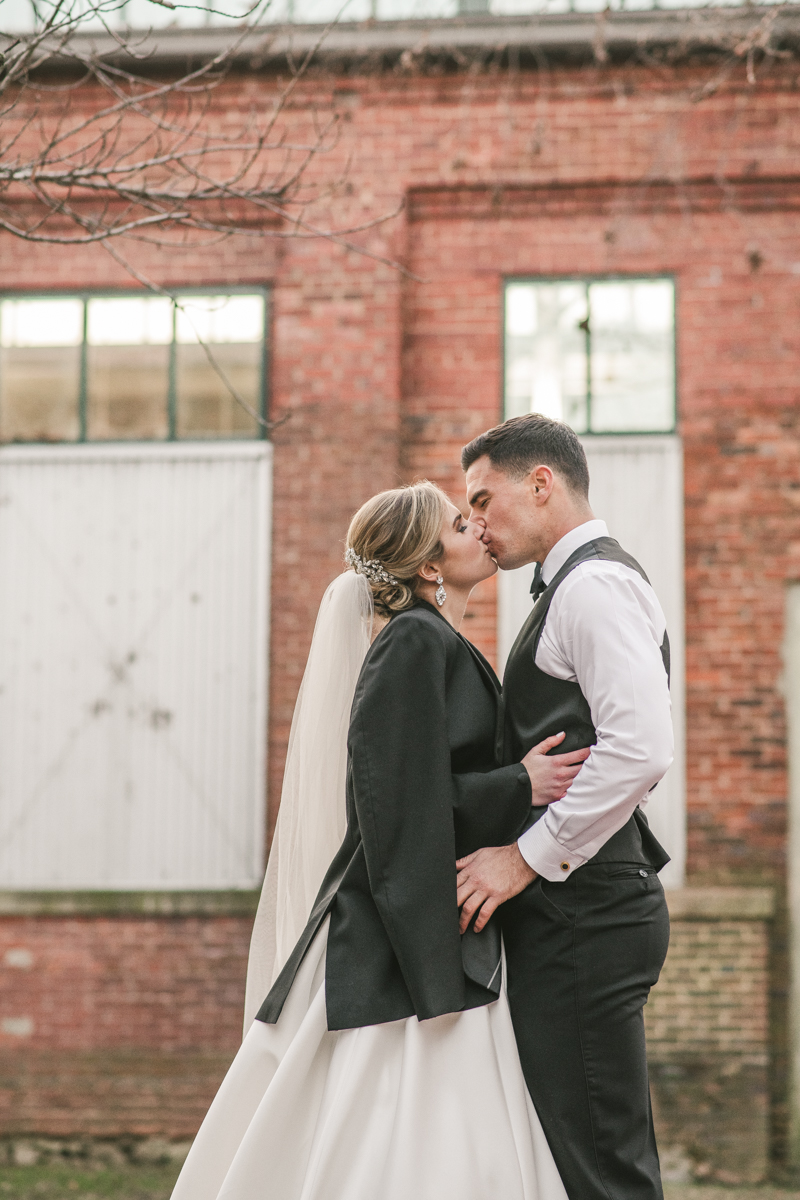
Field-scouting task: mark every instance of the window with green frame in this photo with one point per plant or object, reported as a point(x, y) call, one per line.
point(598, 354)
point(113, 367)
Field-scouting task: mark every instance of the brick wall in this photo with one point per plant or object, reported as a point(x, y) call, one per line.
point(92, 983)
point(708, 1026)
point(114, 1025)
point(382, 375)
point(741, 520)
point(124, 1026)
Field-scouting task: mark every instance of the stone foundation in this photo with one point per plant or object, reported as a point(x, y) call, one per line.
point(708, 1036)
point(93, 1153)
point(169, 982)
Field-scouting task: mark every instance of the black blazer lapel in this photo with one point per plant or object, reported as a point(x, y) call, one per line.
point(484, 666)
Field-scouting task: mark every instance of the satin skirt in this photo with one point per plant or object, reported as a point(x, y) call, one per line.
point(408, 1110)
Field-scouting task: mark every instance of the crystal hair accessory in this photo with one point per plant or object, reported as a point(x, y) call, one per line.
point(371, 569)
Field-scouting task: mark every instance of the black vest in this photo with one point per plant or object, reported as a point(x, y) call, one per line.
point(536, 706)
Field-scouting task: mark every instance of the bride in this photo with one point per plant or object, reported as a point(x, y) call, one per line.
point(382, 1063)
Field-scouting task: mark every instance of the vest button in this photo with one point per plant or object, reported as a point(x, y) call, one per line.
point(643, 873)
point(565, 866)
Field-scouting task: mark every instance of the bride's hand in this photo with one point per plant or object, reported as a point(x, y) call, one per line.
point(552, 776)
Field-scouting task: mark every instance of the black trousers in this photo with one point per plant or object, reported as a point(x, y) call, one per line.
point(581, 958)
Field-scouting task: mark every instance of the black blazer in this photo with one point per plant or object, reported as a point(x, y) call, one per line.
point(423, 788)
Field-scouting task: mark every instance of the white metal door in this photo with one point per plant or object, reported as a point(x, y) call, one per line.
point(637, 489)
point(133, 660)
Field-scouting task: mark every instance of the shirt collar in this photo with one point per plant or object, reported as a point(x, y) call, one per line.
point(569, 543)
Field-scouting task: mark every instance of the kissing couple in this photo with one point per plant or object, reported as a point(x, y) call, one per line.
point(461, 918)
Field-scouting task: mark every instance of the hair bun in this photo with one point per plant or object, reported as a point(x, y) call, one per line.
point(391, 598)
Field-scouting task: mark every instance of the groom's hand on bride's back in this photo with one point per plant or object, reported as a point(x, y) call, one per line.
point(551, 775)
point(486, 879)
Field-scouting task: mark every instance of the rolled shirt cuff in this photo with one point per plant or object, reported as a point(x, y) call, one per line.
point(546, 856)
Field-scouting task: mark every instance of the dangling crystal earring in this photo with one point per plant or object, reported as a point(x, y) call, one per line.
point(441, 594)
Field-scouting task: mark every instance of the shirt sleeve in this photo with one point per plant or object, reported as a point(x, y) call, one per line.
point(607, 629)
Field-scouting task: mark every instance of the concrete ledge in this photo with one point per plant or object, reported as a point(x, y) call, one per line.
point(721, 904)
point(232, 903)
point(689, 30)
point(685, 904)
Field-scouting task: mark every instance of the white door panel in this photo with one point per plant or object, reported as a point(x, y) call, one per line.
point(637, 489)
point(133, 605)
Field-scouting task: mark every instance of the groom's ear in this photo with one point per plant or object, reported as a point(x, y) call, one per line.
point(540, 482)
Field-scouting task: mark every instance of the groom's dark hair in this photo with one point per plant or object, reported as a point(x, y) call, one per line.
point(522, 443)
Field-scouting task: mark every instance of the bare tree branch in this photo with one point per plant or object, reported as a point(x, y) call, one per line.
point(94, 150)
point(96, 144)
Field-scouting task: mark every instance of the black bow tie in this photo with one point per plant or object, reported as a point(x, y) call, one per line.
point(538, 585)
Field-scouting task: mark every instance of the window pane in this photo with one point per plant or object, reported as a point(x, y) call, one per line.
point(233, 329)
point(546, 351)
point(399, 10)
point(40, 369)
point(317, 11)
point(127, 367)
point(126, 392)
point(219, 319)
point(129, 321)
point(632, 368)
point(42, 322)
point(205, 406)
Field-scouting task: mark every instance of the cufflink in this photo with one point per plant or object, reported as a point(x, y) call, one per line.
point(565, 866)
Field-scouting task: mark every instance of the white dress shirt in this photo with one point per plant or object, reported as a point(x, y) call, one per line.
point(603, 631)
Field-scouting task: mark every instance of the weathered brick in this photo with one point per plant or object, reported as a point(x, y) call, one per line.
point(383, 375)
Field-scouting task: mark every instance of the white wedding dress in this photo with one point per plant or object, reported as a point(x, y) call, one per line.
point(407, 1110)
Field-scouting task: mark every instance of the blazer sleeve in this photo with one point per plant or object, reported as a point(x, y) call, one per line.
point(491, 808)
point(403, 794)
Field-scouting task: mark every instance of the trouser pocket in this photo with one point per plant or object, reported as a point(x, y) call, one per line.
point(630, 872)
point(560, 898)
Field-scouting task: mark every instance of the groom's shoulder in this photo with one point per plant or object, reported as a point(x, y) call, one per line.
point(595, 582)
point(622, 567)
point(594, 572)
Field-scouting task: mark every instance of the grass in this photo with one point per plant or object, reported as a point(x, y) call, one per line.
point(65, 1182)
point(68, 1182)
point(676, 1191)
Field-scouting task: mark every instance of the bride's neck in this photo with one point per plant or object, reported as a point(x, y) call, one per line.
point(455, 604)
point(378, 623)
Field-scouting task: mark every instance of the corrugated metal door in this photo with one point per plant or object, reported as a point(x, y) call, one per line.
point(133, 660)
point(637, 489)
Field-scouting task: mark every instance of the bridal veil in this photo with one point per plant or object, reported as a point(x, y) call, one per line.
point(311, 821)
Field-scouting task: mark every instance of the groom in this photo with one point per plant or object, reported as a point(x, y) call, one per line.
point(584, 919)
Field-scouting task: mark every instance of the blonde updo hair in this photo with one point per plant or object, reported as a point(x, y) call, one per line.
point(391, 537)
